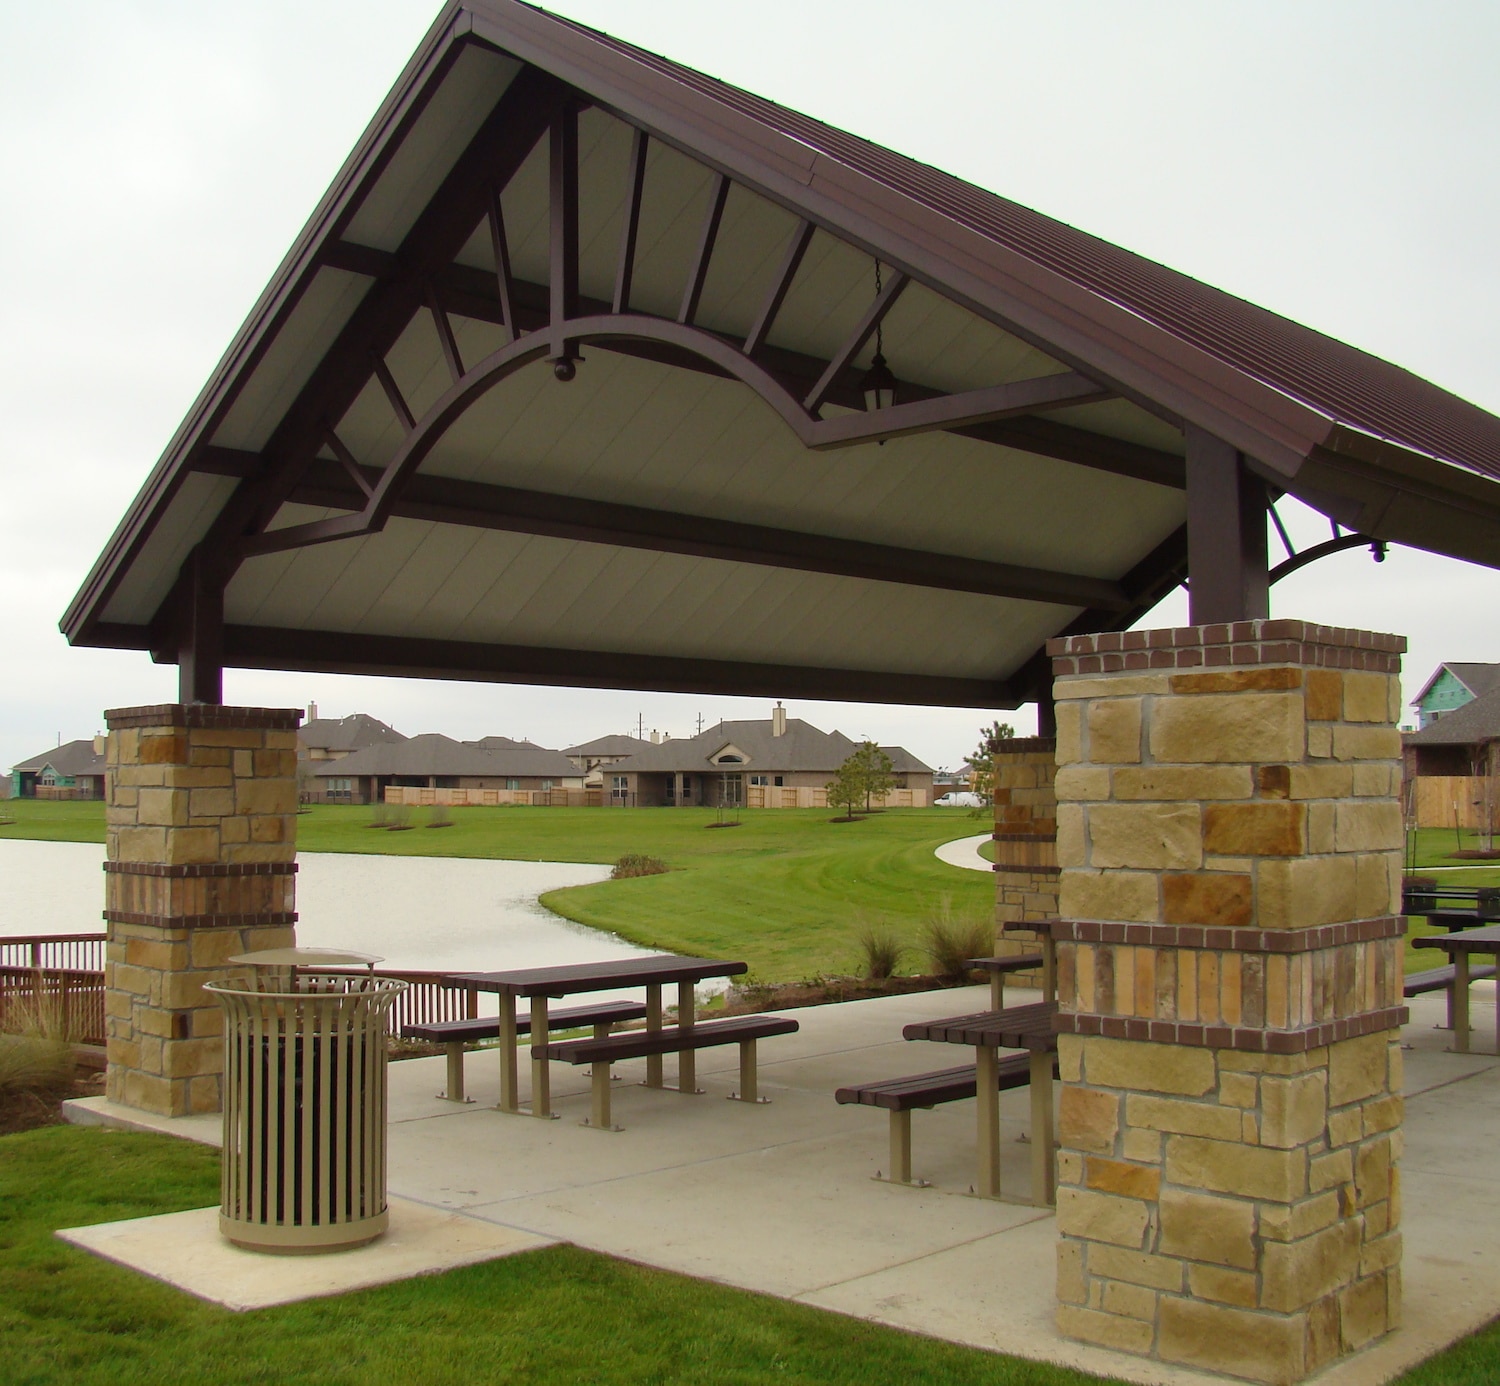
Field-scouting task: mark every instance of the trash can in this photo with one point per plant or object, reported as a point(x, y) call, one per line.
point(304, 1106)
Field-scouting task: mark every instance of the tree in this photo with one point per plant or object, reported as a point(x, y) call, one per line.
point(846, 789)
point(982, 761)
point(873, 768)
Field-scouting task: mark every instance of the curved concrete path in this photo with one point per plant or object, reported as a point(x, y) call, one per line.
point(964, 852)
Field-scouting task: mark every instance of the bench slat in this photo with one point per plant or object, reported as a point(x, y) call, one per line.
point(930, 1089)
point(1440, 978)
point(638, 1044)
point(488, 1027)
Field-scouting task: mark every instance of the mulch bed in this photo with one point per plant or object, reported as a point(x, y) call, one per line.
point(27, 1110)
point(823, 991)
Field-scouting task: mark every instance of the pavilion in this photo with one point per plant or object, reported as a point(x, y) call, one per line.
point(591, 370)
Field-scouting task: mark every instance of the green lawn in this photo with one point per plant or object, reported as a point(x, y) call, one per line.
point(788, 890)
point(556, 1317)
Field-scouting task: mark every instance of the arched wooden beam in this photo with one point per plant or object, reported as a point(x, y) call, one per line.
point(945, 411)
point(1290, 565)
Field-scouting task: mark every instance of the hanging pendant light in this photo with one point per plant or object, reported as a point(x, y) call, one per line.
point(879, 385)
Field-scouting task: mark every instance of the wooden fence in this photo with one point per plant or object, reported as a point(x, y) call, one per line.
point(1447, 801)
point(810, 796)
point(416, 797)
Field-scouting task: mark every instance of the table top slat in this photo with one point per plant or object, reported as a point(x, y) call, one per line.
point(1016, 1027)
point(1485, 940)
point(579, 977)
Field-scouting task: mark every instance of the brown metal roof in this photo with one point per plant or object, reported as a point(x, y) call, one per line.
point(1347, 385)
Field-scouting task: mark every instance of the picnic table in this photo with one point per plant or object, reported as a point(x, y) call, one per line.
point(1458, 946)
point(539, 985)
point(1020, 1027)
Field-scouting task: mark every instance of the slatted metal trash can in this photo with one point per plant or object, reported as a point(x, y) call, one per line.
point(304, 1167)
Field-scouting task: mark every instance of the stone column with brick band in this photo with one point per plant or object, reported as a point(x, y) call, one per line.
point(1026, 868)
point(1229, 981)
point(202, 828)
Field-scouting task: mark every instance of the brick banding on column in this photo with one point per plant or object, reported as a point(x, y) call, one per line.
point(204, 717)
point(271, 919)
point(195, 870)
point(1033, 870)
point(1240, 1038)
point(1225, 940)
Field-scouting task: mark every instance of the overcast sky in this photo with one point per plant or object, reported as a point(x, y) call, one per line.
point(1335, 162)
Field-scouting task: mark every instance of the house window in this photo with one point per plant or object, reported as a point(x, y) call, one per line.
point(513, 784)
point(620, 782)
point(49, 777)
point(780, 780)
point(730, 760)
point(759, 779)
point(546, 784)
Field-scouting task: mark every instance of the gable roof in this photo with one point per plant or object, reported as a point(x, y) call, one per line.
point(71, 759)
point(659, 526)
point(435, 754)
point(801, 748)
point(1477, 678)
point(1475, 722)
point(613, 745)
point(349, 733)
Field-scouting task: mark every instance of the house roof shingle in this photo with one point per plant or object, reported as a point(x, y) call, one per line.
point(72, 758)
point(803, 747)
point(616, 745)
point(1469, 725)
point(351, 733)
point(435, 754)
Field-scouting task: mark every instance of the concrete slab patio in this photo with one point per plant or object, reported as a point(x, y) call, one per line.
point(780, 1198)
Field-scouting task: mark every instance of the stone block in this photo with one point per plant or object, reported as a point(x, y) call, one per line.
point(1133, 1301)
point(210, 947)
point(1366, 743)
point(193, 1058)
point(1231, 1167)
point(1130, 896)
point(1367, 697)
point(1137, 1267)
point(1143, 1066)
point(1069, 732)
point(265, 796)
point(242, 739)
point(1071, 688)
point(1121, 1177)
point(1321, 781)
point(1373, 826)
point(153, 1093)
point(1321, 819)
point(1151, 836)
point(1088, 1119)
point(210, 803)
point(1082, 782)
point(1362, 1312)
point(1069, 1167)
point(1294, 1111)
point(1200, 1227)
point(1223, 1285)
point(155, 953)
point(1164, 1114)
point(1382, 1114)
point(1303, 892)
point(1357, 1069)
point(1106, 1330)
point(1335, 1169)
point(1221, 898)
point(1325, 695)
point(205, 1094)
point(1232, 728)
point(1263, 1347)
point(1072, 1285)
point(1290, 1222)
point(183, 991)
point(1269, 828)
point(139, 844)
point(244, 764)
point(1177, 782)
point(1072, 841)
point(1236, 1090)
point(1114, 731)
point(1372, 1172)
point(1099, 1217)
point(270, 827)
point(185, 846)
point(154, 748)
point(1142, 1146)
point(1294, 1274)
point(1070, 1058)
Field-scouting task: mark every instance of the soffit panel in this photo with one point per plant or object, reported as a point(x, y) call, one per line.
point(435, 581)
point(477, 80)
point(186, 520)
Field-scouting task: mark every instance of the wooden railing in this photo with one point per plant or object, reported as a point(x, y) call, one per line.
point(79, 952)
point(67, 1002)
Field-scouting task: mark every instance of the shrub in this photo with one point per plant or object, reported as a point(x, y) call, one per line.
point(881, 952)
point(381, 817)
point(440, 817)
point(39, 1052)
point(637, 864)
point(950, 940)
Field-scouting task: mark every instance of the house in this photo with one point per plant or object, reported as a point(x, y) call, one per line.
point(1450, 687)
point(592, 756)
point(437, 769)
point(324, 739)
point(779, 762)
point(74, 770)
point(1453, 767)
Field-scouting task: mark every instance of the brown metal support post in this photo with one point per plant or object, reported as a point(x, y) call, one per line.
point(200, 647)
point(564, 236)
point(1043, 1156)
point(1227, 558)
point(509, 1098)
point(687, 1059)
point(541, 1071)
point(653, 1025)
point(1046, 712)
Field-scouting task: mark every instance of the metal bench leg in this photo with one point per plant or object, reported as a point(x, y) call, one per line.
point(749, 1081)
point(1043, 1156)
point(599, 1099)
point(901, 1147)
point(455, 1093)
point(988, 1101)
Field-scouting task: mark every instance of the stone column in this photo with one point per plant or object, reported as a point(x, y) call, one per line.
point(1229, 977)
point(1026, 870)
point(202, 826)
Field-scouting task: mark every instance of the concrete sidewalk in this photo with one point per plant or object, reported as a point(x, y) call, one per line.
point(780, 1198)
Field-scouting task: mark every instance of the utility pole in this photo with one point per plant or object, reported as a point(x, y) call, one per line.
point(700, 724)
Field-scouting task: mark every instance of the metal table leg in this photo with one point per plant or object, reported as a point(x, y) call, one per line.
point(541, 1069)
point(687, 1059)
point(653, 1023)
point(509, 1097)
point(1043, 1157)
point(988, 1104)
point(1460, 1001)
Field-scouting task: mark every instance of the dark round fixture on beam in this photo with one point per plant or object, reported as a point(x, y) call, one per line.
point(565, 368)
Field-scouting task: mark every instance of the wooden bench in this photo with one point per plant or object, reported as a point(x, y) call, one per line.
point(900, 1096)
point(673, 1039)
point(454, 1034)
point(1000, 968)
point(1441, 979)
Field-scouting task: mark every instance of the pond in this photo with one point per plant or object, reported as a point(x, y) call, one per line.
point(434, 913)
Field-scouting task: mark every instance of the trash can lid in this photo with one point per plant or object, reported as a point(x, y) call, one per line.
point(306, 957)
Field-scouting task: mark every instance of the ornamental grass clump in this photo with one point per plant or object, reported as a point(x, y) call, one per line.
point(637, 864)
point(951, 940)
point(881, 951)
point(36, 1048)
